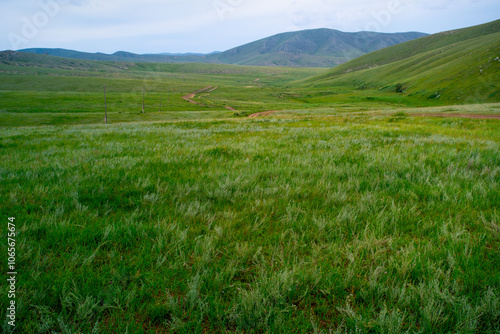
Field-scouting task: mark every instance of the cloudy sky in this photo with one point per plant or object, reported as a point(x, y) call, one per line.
point(154, 26)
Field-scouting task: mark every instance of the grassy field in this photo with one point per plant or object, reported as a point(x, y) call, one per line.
point(292, 224)
point(345, 212)
point(451, 68)
point(44, 90)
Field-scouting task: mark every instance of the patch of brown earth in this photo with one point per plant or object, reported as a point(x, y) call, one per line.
point(192, 95)
point(459, 115)
point(263, 113)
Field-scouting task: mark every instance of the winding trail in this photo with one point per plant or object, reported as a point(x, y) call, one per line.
point(208, 89)
point(458, 115)
point(263, 113)
point(192, 95)
point(475, 116)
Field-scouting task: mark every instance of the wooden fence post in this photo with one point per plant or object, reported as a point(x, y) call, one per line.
point(105, 107)
point(143, 93)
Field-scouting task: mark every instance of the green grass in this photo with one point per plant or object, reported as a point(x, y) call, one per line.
point(45, 90)
point(456, 67)
point(342, 213)
point(422, 45)
point(301, 224)
point(52, 90)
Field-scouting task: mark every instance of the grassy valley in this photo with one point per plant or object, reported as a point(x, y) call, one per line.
point(352, 209)
point(41, 89)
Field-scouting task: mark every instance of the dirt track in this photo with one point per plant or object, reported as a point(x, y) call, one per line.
point(209, 89)
point(263, 113)
point(459, 115)
point(475, 116)
point(192, 95)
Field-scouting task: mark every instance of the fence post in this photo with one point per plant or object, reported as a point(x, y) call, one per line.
point(105, 107)
point(143, 93)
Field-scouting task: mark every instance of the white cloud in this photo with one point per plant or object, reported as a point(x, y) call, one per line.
point(206, 25)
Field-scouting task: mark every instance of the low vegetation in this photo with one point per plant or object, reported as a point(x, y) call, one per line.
point(346, 211)
point(353, 223)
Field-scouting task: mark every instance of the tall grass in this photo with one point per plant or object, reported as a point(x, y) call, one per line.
point(324, 224)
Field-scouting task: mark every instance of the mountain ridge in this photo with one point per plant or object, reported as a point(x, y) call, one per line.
point(116, 56)
point(328, 47)
point(305, 48)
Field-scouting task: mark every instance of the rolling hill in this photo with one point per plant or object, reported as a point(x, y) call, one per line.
point(311, 48)
point(454, 66)
point(307, 48)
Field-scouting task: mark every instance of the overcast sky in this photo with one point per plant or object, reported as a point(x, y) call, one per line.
point(154, 26)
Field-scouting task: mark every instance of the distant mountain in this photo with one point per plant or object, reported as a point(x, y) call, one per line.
point(307, 48)
point(186, 54)
point(453, 66)
point(121, 56)
point(311, 48)
point(27, 60)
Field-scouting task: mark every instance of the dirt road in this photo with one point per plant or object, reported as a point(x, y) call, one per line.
point(263, 113)
point(208, 89)
point(192, 95)
point(475, 116)
point(459, 115)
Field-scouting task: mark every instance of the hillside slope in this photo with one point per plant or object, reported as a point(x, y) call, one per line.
point(317, 47)
point(454, 66)
point(308, 48)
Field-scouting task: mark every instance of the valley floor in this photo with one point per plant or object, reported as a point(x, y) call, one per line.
point(16, 119)
point(333, 209)
point(329, 220)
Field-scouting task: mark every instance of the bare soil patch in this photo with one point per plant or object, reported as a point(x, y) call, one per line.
point(263, 113)
point(189, 97)
point(477, 116)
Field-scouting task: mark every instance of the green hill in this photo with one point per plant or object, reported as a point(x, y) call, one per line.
point(308, 48)
point(311, 48)
point(454, 67)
